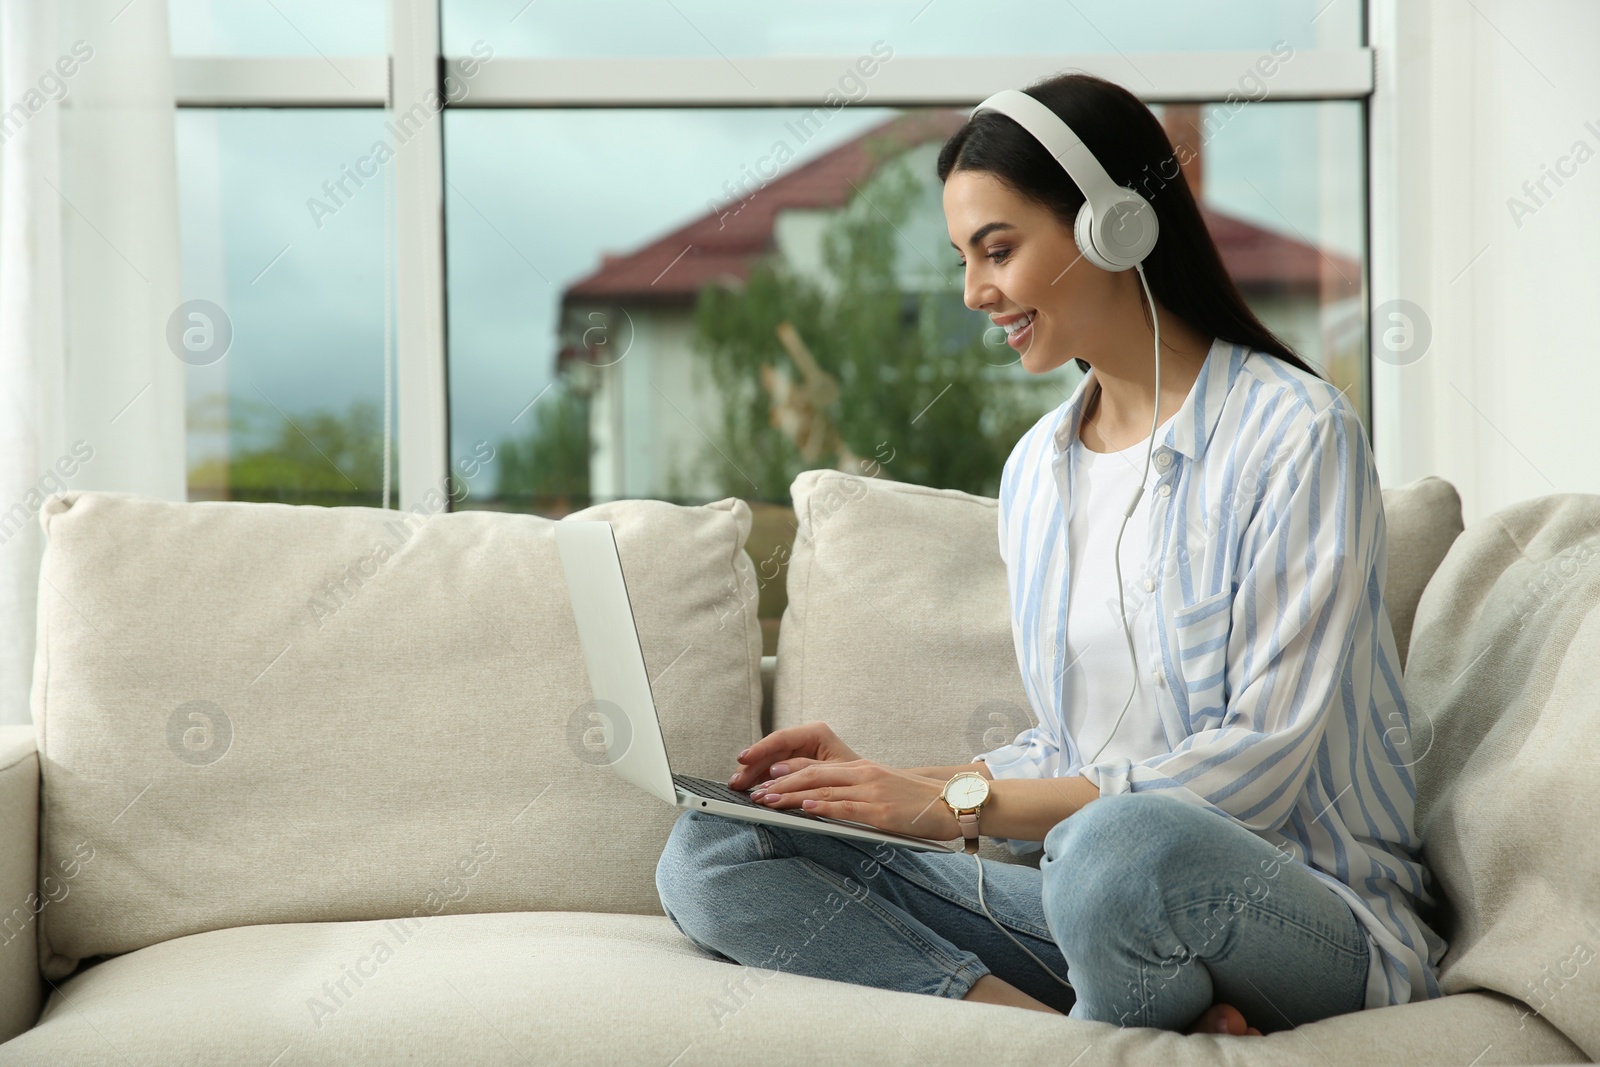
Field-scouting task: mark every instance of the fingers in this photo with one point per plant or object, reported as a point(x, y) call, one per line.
point(745, 773)
point(760, 768)
point(818, 780)
point(822, 800)
point(755, 762)
point(764, 777)
point(790, 765)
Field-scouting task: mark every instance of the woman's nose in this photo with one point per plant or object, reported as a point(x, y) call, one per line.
point(976, 292)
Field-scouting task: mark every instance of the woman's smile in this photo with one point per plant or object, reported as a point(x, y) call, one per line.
point(1018, 328)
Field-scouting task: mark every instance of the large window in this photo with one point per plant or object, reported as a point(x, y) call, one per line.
point(687, 250)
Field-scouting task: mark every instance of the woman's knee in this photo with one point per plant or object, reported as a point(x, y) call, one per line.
point(698, 848)
point(1089, 857)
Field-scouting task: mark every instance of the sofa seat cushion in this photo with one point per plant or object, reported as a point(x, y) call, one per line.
point(256, 713)
point(589, 988)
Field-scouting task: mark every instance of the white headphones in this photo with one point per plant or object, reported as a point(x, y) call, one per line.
point(1116, 227)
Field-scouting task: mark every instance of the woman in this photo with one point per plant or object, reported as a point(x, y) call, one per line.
point(1235, 852)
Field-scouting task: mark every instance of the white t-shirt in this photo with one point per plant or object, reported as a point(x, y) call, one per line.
point(1099, 674)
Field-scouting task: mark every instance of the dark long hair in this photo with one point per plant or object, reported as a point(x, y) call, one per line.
point(1184, 269)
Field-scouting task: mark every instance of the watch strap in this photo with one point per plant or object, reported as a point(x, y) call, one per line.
point(968, 821)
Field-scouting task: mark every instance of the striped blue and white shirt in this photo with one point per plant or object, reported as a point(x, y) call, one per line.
point(1277, 679)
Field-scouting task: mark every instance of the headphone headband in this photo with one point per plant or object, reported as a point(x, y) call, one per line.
point(1116, 227)
point(1050, 130)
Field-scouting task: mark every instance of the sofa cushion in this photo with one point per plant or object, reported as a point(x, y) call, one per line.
point(897, 631)
point(560, 988)
point(1423, 519)
point(256, 713)
point(1501, 688)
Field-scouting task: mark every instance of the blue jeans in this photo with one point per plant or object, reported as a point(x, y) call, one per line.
point(1152, 908)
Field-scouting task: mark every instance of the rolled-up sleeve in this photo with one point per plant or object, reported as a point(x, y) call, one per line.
point(1304, 572)
point(1034, 754)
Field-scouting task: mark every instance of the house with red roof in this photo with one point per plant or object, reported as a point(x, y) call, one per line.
point(654, 409)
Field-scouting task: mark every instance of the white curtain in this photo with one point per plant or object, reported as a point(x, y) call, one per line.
point(91, 396)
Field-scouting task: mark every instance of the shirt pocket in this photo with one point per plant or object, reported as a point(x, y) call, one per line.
point(1201, 634)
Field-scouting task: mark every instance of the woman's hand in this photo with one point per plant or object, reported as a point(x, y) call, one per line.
point(866, 792)
point(795, 747)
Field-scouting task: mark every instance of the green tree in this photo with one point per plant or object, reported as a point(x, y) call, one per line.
point(551, 458)
point(321, 457)
point(918, 392)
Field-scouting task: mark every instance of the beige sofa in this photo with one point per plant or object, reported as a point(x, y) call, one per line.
point(320, 785)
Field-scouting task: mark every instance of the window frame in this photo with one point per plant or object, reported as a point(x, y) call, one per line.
point(416, 67)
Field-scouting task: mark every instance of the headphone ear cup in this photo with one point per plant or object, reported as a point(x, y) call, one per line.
point(1128, 238)
point(1083, 233)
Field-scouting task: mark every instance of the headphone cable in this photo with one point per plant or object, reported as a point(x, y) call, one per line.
point(1127, 631)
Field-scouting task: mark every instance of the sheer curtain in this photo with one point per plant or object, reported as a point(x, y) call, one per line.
point(91, 395)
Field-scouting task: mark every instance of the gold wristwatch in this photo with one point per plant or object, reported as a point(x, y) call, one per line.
point(966, 794)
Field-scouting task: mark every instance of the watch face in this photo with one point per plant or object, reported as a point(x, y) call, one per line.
point(967, 792)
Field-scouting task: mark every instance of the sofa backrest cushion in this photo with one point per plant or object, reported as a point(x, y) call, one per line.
point(897, 627)
point(257, 713)
point(1502, 692)
point(1423, 520)
point(897, 631)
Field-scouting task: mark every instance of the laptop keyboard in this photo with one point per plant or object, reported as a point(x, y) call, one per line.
point(705, 787)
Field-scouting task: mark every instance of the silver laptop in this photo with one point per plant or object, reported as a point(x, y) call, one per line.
point(635, 749)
